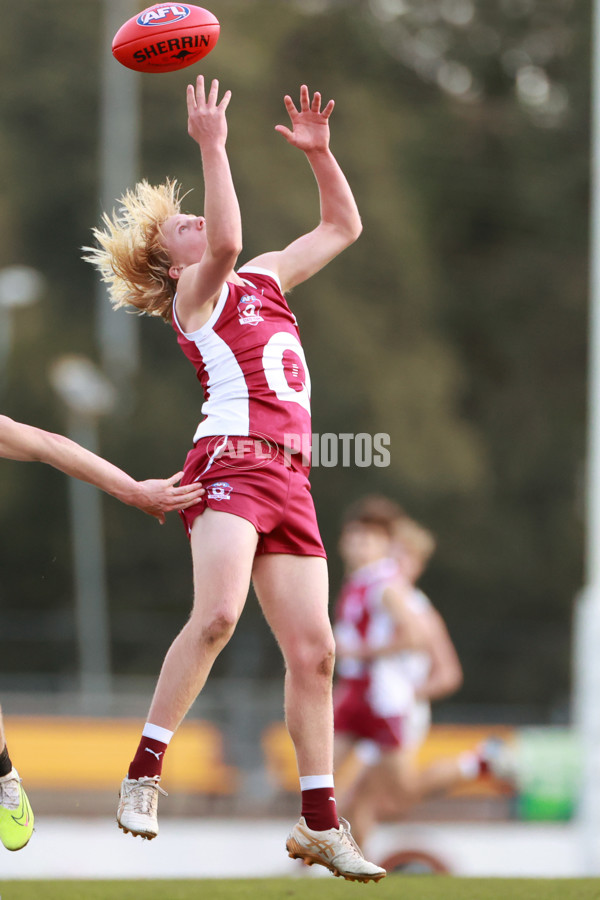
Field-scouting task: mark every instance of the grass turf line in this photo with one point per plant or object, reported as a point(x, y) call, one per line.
point(419, 887)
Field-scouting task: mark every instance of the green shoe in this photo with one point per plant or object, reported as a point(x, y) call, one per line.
point(16, 815)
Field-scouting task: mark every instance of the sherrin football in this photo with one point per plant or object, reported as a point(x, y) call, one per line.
point(166, 37)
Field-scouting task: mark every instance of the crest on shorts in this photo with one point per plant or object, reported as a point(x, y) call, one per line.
point(220, 490)
point(249, 309)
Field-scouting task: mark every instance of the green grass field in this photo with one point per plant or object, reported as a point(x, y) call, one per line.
point(396, 887)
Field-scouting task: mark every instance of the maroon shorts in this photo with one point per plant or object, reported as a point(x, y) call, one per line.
point(354, 715)
point(263, 485)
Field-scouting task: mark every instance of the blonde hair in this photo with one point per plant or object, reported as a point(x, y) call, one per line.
point(130, 256)
point(417, 540)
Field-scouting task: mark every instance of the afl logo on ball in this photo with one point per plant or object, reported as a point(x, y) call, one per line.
point(163, 15)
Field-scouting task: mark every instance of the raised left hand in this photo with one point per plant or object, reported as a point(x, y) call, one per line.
point(310, 124)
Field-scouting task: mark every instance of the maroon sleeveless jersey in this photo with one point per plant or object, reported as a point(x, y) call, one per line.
point(251, 365)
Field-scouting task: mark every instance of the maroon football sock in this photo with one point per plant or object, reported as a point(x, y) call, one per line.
point(318, 809)
point(148, 760)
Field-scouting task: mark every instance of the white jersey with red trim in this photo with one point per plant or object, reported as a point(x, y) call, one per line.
point(363, 620)
point(251, 365)
point(417, 663)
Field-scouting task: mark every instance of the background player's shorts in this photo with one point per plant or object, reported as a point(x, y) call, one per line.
point(354, 715)
point(270, 491)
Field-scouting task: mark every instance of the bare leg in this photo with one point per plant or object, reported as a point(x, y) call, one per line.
point(439, 777)
point(342, 748)
point(388, 790)
point(293, 593)
point(389, 785)
point(349, 769)
point(223, 548)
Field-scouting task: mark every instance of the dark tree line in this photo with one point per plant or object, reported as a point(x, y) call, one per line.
point(457, 324)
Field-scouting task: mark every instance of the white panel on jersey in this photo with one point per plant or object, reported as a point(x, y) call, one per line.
point(229, 410)
point(390, 693)
point(228, 406)
point(275, 373)
point(348, 637)
point(417, 663)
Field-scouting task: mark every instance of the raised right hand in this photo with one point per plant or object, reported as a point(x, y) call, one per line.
point(206, 118)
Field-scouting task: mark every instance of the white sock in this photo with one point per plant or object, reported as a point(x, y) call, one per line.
point(311, 782)
point(157, 733)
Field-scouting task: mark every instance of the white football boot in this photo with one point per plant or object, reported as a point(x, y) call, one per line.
point(335, 849)
point(138, 806)
point(499, 758)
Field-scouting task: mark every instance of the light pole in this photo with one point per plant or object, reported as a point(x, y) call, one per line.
point(586, 654)
point(19, 286)
point(117, 331)
point(87, 395)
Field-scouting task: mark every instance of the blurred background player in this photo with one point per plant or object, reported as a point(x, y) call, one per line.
point(434, 670)
point(391, 671)
point(155, 497)
point(374, 626)
point(256, 521)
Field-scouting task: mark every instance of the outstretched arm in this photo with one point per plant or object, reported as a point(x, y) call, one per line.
point(200, 282)
point(340, 223)
point(155, 496)
point(445, 675)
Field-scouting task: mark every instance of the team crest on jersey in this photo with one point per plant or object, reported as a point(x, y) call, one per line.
point(220, 490)
point(249, 309)
point(163, 15)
